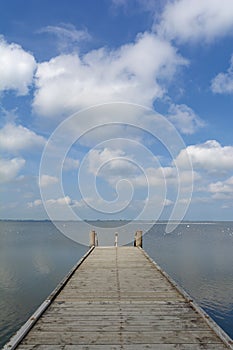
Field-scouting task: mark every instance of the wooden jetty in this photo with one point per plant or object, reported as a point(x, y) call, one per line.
point(118, 298)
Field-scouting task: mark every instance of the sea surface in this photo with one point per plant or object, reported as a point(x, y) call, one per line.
point(35, 256)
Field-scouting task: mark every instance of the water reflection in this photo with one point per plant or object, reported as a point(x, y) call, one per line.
point(34, 257)
point(42, 264)
point(199, 257)
point(30, 252)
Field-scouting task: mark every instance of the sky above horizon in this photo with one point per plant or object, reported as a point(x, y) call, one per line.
point(116, 109)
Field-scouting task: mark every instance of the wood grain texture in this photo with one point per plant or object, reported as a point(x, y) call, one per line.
point(118, 299)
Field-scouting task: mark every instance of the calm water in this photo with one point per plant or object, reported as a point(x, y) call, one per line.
point(35, 256)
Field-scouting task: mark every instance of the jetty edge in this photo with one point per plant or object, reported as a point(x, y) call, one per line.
point(119, 298)
point(25, 328)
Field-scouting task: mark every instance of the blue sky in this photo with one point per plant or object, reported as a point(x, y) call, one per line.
point(129, 102)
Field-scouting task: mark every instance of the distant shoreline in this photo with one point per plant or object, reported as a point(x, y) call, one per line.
point(122, 221)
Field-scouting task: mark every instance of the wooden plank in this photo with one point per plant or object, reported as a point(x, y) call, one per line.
point(92, 313)
point(118, 299)
point(113, 327)
point(126, 347)
point(127, 319)
point(100, 337)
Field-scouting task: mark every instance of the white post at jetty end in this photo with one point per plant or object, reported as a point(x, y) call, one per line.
point(92, 238)
point(138, 239)
point(116, 240)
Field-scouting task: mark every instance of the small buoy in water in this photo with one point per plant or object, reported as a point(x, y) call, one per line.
point(187, 226)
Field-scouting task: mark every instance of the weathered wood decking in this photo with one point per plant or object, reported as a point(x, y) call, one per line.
point(118, 299)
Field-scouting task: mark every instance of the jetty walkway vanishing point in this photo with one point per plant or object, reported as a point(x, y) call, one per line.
point(118, 298)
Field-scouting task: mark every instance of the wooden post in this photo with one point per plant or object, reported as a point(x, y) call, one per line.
point(92, 238)
point(138, 239)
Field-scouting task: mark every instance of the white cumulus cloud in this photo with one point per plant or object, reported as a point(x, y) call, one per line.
point(35, 203)
point(47, 180)
point(16, 68)
point(70, 164)
point(223, 82)
point(222, 189)
point(14, 138)
point(165, 175)
point(187, 20)
point(116, 164)
point(98, 157)
point(9, 168)
point(210, 156)
point(184, 118)
point(62, 201)
point(134, 73)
